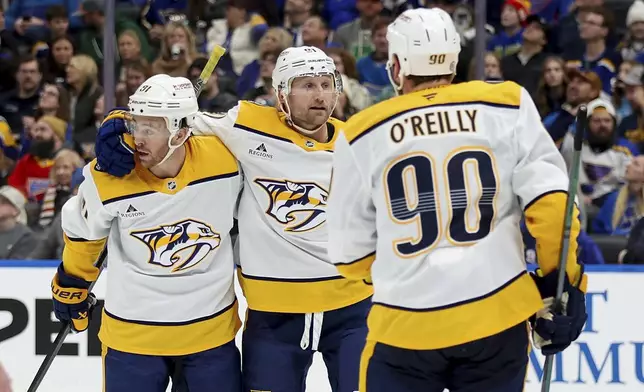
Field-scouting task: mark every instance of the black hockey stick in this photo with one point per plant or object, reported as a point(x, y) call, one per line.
point(580, 130)
point(215, 56)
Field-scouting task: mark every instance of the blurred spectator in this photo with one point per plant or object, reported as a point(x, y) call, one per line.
point(631, 126)
point(355, 36)
point(513, 16)
point(633, 43)
point(54, 101)
point(596, 24)
point(61, 51)
point(296, 12)
point(276, 39)
point(84, 142)
point(525, 66)
point(623, 108)
point(553, 82)
point(625, 207)
point(5, 381)
point(567, 32)
point(31, 174)
point(52, 244)
point(492, 68)
point(264, 91)
point(239, 34)
point(23, 100)
point(135, 74)
point(129, 51)
point(372, 70)
point(60, 186)
point(57, 19)
point(604, 156)
point(357, 95)
point(583, 87)
point(315, 32)
point(9, 50)
point(90, 39)
point(82, 80)
point(16, 239)
point(212, 99)
point(178, 51)
point(634, 252)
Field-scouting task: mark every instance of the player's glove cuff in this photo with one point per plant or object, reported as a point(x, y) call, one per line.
point(72, 302)
point(114, 146)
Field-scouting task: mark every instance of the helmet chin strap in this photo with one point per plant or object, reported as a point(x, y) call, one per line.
point(396, 86)
point(171, 148)
point(287, 111)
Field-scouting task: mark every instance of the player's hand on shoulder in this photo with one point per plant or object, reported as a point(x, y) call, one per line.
point(553, 332)
point(72, 302)
point(114, 146)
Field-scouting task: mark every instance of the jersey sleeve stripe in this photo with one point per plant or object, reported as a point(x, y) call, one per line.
point(73, 239)
point(298, 280)
point(357, 269)
point(161, 323)
point(439, 105)
point(214, 178)
point(257, 132)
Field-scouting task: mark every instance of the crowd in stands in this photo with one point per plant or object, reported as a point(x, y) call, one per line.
point(564, 52)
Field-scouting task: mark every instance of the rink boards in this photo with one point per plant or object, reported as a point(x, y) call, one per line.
point(607, 357)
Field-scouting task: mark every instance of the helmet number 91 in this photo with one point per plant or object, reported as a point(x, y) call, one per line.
point(436, 59)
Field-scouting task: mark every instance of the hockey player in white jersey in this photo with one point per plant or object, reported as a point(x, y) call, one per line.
point(427, 193)
point(298, 303)
point(170, 309)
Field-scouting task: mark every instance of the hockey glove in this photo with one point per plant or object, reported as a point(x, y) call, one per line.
point(553, 332)
point(71, 299)
point(114, 146)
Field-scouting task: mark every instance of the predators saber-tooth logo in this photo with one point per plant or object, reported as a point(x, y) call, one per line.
point(179, 245)
point(300, 206)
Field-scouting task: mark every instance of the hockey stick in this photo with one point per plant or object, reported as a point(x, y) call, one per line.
point(64, 331)
point(207, 71)
point(580, 129)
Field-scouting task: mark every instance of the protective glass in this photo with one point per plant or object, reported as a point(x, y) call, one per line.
point(147, 128)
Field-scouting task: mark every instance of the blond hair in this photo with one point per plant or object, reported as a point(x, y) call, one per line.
point(66, 155)
point(88, 68)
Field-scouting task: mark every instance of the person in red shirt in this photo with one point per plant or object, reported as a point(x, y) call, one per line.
point(31, 174)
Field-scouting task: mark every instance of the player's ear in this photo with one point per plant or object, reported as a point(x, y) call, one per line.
point(180, 136)
point(395, 70)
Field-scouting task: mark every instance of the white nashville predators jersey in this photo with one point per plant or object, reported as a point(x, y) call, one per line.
point(428, 190)
point(170, 259)
point(282, 243)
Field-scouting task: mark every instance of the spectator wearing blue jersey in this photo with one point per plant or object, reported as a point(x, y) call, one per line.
point(625, 207)
point(583, 87)
point(631, 126)
point(513, 17)
point(23, 15)
point(372, 70)
point(597, 56)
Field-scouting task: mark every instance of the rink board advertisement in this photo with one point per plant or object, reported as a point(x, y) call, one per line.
point(607, 357)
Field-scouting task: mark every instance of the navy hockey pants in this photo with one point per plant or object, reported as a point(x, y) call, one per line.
point(277, 348)
point(494, 364)
point(214, 370)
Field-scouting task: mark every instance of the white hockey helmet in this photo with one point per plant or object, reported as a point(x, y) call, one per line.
point(425, 42)
point(172, 98)
point(167, 97)
point(301, 62)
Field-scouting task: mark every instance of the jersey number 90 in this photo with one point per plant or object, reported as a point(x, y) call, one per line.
point(463, 170)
